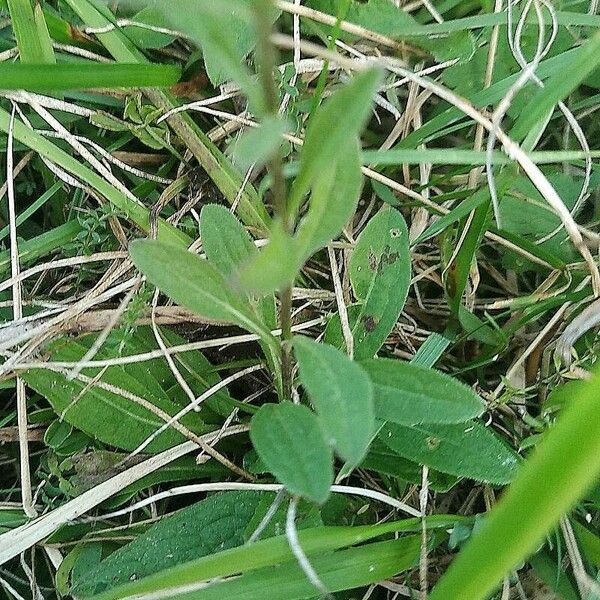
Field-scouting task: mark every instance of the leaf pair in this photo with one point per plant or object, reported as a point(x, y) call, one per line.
point(330, 170)
point(297, 444)
point(205, 286)
point(428, 414)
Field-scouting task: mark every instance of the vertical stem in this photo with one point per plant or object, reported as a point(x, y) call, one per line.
point(266, 55)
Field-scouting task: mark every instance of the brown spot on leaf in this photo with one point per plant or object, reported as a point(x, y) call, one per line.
point(390, 258)
point(369, 323)
point(395, 233)
point(372, 261)
point(432, 443)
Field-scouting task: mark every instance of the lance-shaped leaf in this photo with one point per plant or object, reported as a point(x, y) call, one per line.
point(409, 394)
point(339, 120)
point(194, 283)
point(380, 276)
point(466, 450)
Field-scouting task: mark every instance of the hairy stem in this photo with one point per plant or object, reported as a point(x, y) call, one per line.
point(266, 55)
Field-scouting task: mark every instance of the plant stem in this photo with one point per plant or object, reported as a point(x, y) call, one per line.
point(266, 56)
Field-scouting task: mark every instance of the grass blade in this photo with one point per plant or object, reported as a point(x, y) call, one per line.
point(560, 470)
point(80, 76)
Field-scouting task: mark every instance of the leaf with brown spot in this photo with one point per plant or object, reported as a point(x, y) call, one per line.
point(380, 276)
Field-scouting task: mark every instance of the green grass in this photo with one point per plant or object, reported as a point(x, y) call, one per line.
point(275, 344)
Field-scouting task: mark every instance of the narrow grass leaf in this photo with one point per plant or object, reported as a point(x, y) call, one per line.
point(342, 394)
point(43, 35)
point(269, 552)
point(290, 441)
point(562, 467)
point(380, 277)
point(342, 570)
point(410, 394)
point(581, 63)
point(81, 76)
point(26, 30)
point(465, 450)
point(137, 213)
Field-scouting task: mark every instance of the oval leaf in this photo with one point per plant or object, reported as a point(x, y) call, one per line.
point(380, 276)
point(289, 440)
point(341, 392)
point(194, 283)
point(466, 450)
point(225, 241)
point(409, 394)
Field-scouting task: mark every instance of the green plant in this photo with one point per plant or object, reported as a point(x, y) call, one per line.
point(360, 319)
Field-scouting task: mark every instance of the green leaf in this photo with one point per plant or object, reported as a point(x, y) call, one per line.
point(275, 266)
point(340, 119)
point(194, 283)
point(545, 487)
point(410, 394)
point(470, 235)
point(146, 38)
point(80, 76)
point(228, 247)
point(380, 276)
point(466, 450)
point(257, 145)
point(137, 213)
point(30, 32)
point(225, 241)
point(43, 35)
point(289, 440)
point(270, 552)
point(342, 394)
point(209, 526)
point(342, 570)
point(558, 87)
point(385, 461)
point(218, 168)
point(76, 565)
point(561, 469)
point(226, 34)
point(109, 417)
point(333, 201)
point(273, 551)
